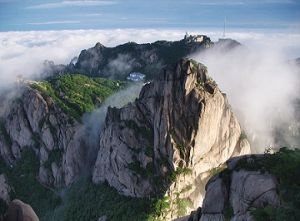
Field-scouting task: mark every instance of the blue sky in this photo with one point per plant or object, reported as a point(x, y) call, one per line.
point(25, 15)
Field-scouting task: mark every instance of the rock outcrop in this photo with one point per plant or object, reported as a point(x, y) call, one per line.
point(34, 121)
point(19, 211)
point(169, 140)
point(234, 193)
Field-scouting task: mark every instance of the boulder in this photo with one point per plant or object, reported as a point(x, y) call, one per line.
point(19, 211)
point(252, 189)
point(236, 194)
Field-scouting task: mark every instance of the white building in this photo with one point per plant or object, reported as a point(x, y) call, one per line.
point(136, 76)
point(193, 38)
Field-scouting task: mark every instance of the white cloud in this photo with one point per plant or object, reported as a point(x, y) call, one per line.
point(53, 22)
point(261, 85)
point(24, 52)
point(258, 84)
point(62, 4)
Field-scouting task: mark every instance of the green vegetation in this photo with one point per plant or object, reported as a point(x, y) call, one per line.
point(3, 207)
point(22, 178)
point(131, 124)
point(181, 206)
point(216, 170)
point(181, 149)
point(36, 139)
point(149, 151)
point(54, 156)
point(87, 201)
point(194, 65)
point(146, 132)
point(243, 135)
point(137, 168)
point(77, 94)
point(283, 213)
point(159, 207)
point(285, 165)
point(82, 201)
point(184, 171)
point(228, 212)
point(179, 171)
point(187, 188)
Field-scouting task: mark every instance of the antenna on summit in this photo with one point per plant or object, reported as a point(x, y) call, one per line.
point(224, 30)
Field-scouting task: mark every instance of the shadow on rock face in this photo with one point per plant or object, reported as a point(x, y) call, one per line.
point(19, 211)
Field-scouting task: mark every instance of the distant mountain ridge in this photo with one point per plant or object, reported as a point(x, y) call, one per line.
point(148, 58)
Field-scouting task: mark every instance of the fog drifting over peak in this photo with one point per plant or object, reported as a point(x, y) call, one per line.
point(23, 53)
point(259, 82)
point(261, 86)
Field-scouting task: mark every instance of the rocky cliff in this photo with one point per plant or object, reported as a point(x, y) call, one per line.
point(170, 139)
point(254, 187)
point(33, 121)
point(149, 58)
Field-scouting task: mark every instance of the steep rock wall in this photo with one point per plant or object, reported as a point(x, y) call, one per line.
point(169, 140)
point(34, 121)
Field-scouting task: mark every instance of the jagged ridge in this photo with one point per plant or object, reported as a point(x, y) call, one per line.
point(169, 139)
point(149, 58)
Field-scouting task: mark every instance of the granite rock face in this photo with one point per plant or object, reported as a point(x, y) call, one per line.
point(252, 190)
point(34, 121)
point(19, 211)
point(248, 190)
point(169, 140)
point(235, 194)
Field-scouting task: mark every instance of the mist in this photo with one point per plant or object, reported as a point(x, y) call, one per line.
point(93, 122)
point(122, 64)
point(262, 87)
point(23, 53)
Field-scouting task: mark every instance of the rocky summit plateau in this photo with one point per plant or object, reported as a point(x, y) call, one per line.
point(176, 151)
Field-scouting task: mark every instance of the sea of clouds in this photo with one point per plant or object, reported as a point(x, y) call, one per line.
point(22, 53)
point(261, 85)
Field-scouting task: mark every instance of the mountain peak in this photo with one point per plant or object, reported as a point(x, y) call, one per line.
point(166, 133)
point(148, 59)
point(99, 45)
